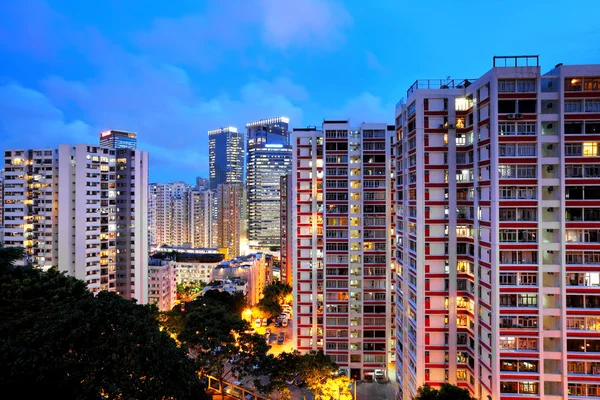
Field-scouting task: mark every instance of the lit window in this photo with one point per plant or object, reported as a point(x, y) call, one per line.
point(590, 149)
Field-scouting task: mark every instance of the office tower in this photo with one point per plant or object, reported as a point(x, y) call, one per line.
point(82, 209)
point(116, 139)
point(229, 200)
point(200, 208)
point(497, 222)
point(169, 213)
point(286, 205)
point(202, 183)
point(342, 244)
point(226, 156)
point(269, 158)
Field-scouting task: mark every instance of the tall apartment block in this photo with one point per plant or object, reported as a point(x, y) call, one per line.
point(115, 139)
point(1, 203)
point(286, 229)
point(229, 229)
point(342, 244)
point(169, 214)
point(226, 156)
point(269, 158)
point(497, 222)
point(201, 220)
point(82, 209)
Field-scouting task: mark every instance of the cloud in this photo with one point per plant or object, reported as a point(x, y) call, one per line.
point(373, 62)
point(29, 119)
point(309, 23)
point(364, 108)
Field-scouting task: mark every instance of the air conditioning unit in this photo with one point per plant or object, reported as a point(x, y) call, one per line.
point(451, 126)
point(549, 126)
point(442, 126)
point(550, 189)
point(550, 168)
point(518, 116)
point(549, 147)
point(550, 209)
point(550, 230)
point(510, 116)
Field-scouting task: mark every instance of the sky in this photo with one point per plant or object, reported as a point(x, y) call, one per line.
point(171, 71)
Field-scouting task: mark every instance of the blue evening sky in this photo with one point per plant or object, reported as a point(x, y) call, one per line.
point(171, 70)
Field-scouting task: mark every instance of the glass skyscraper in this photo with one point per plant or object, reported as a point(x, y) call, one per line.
point(226, 156)
point(115, 139)
point(269, 157)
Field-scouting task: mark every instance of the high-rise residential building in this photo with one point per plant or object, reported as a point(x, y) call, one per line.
point(497, 232)
point(342, 244)
point(169, 213)
point(230, 201)
point(82, 209)
point(202, 183)
point(116, 139)
point(201, 219)
point(162, 284)
point(269, 158)
point(1, 196)
point(226, 156)
point(287, 226)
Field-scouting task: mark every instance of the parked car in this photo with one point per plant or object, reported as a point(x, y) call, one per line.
point(281, 338)
point(264, 322)
point(379, 375)
point(257, 322)
point(268, 331)
point(284, 322)
point(278, 323)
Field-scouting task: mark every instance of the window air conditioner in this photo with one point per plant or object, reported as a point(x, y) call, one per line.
point(550, 209)
point(510, 116)
point(518, 116)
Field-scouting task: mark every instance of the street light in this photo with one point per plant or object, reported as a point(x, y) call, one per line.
point(248, 313)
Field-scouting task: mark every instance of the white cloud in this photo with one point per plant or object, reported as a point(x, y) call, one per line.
point(29, 119)
point(310, 23)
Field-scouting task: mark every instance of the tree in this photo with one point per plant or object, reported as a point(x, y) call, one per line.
point(219, 338)
point(337, 388)
point(446, 392)
point(8, 257)
point(274, 295)
point(57, 339)
point(313, 370)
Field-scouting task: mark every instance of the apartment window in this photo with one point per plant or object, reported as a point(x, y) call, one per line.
point(592, 106)
point(573, 84)
point(572, 106)
point(590, 149)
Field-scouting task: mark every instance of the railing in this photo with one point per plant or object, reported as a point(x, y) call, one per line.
point(518, 61)
point(234, 390)
point(438, 84)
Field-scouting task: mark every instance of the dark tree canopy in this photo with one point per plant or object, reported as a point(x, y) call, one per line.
point(58, 340)
point(446, 392)
point(274, 294)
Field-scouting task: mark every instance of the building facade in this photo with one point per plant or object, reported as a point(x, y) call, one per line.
point(269, 158)
point(228, 226)
point(226, 156)
point(201, 218)
point(169, 213)
point(82, 209)
point(496, 222)
point(286, 230)
point(342, 244)
point(115, 139)
point(162, 284)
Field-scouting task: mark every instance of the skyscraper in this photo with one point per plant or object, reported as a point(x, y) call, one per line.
point(82, 209)
point(170, 213)
point(269, 158)
point(201, 219)
point(202, 183)
point(226, 156)
point(497, 229)
point(115, 139)
point(287, 226)
point(228, 226)
point(342, 244)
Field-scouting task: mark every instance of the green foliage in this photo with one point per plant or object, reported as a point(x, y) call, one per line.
point(313, 370)
point(274, 295)
point(58, 340)
point(337, 388)
point(446, 392)
point(219, 338)
point(8, 257)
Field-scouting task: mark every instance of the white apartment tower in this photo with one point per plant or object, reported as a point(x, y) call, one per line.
point(201, 221)
point(342, 244)
point(169, 212)
point(498, 233)
point(82, 209)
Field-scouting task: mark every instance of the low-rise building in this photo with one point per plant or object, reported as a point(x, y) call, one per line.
point(162, 284)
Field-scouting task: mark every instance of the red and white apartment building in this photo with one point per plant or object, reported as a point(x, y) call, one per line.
point(498, 233)
point(342, 252)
